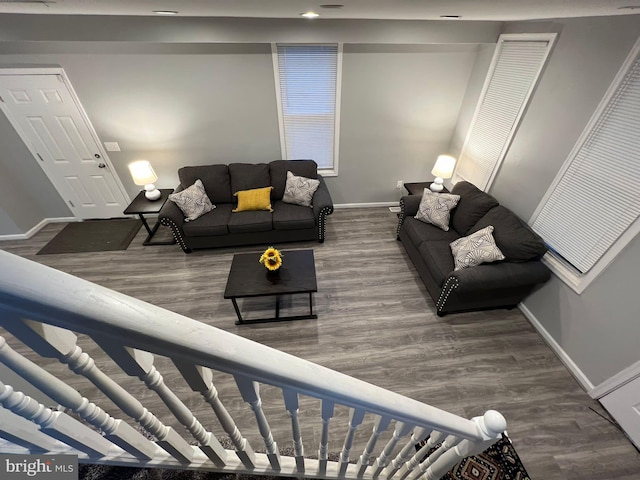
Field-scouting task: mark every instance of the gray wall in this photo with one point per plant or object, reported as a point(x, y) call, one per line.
point(199, 91)
point(399, 109)
point(599, 329)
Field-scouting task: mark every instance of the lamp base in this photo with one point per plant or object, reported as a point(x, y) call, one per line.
point(436, 185)
point(151, 192)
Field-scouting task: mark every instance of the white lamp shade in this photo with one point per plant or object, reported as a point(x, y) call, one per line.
point(142, 172)
point(444, 166)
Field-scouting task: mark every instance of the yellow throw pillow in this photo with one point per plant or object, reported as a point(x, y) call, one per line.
point(256, 199)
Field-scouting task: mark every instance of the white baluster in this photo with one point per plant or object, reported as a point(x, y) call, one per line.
point(140, 364)
point(491, 425)
point(426, 466)
point(291, 404)
point(200, 379)
point(22, 432)
point(116, 431)
point(250, 392)
point(57, 425)
point(400, 431)
point(55, 342)
point(408, 467)
point(355, 419)
point(327, 414)
point(379, 426)
point(419, 434)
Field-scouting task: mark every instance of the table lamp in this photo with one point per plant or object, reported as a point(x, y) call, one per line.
point(143, 174)
point(442, 169)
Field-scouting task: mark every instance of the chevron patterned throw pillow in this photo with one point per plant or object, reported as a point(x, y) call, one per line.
point(193, 201)
point(300, 190)
point(474, 249)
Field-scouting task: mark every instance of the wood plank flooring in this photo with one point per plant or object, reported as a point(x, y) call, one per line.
point(377, 323)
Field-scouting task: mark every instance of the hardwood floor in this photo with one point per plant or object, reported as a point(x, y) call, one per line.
point(375, 322)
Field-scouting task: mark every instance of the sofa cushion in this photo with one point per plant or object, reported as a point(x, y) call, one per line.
point(278, 170)
point(419, 232)
point(248, 222)
point(436, 208)
point(287, 216)
point(255, 199)
point(247, 176)
point(437, 256)
point(193, 201)
point(475, 249)
point(215, 179)
point(213, 223)
point(472, 206)
point(300, 190)
point(514, 238)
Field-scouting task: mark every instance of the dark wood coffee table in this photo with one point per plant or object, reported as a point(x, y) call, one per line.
point(249, 278)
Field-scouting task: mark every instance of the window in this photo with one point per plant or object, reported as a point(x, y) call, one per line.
point(585, 220)
point(308, 91)
point(515, 68)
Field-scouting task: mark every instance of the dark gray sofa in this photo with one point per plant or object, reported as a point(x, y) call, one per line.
point(223, 228)
point(500, 284)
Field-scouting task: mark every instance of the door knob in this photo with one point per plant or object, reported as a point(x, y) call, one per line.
point(101, 165)
point(97, 155)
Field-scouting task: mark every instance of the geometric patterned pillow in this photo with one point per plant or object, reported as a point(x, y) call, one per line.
point(435, 208)
point(477, 248)
point(299, 190)
point(193, 201)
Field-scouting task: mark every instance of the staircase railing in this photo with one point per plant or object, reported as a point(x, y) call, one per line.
point(44, 309)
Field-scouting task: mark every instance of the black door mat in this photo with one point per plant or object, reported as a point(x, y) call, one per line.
point(93, 236)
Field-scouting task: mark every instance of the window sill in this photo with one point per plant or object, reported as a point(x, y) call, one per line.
point(328, 172)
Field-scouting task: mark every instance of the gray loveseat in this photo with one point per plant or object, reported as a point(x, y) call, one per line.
point(222, 228)
point(500, 284)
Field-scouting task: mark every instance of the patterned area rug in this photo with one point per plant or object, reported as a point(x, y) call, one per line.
point(498, 462)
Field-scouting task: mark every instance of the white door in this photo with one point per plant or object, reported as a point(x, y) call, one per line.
point(52, 124)
point(624, 405)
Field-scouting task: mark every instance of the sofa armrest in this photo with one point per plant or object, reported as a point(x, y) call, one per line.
point(507, 281)
point(322, 207)
point(497, 276)
point(171, 216)
point(409, 205)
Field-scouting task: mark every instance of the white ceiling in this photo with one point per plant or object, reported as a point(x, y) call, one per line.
point(501, 10)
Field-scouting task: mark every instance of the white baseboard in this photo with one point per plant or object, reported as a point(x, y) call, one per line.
point(619, 379)
point(36, 228)
point(366, 205)
point(558, 350)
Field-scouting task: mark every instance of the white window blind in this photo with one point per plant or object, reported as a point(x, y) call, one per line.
point(516, 67)
point(308, 76)
point(595, 199)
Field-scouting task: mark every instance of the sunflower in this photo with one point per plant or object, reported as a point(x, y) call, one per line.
point(271, 258)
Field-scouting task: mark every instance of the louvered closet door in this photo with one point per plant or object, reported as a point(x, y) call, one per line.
point(596, 198)
point(516, 67)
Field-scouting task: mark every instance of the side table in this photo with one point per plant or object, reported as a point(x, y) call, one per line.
point(418, 187)
point(141, 206)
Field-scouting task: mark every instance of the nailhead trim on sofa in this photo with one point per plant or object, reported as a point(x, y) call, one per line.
point(176, 234)
point(401, 220)
point(324, 213)
point(449, 285)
